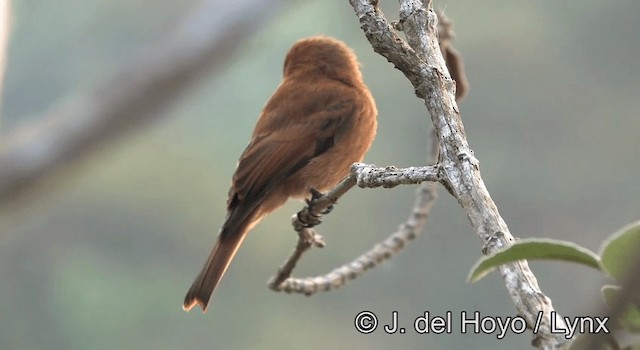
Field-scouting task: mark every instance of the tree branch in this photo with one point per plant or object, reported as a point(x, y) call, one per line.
point(135, 94)
point(422, 63)
point(398, 240)
point(365, 176)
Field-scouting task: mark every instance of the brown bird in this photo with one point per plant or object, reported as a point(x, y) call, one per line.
point(320, 120)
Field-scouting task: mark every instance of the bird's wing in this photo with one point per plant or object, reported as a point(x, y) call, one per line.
point(275, 155)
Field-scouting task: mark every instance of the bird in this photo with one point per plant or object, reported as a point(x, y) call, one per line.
point(320, 120)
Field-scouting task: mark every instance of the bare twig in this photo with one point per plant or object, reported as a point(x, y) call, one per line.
point(422, 63)
point(362, 175)
point(408, 231)
point(368, 176)
point(307, 238)
point(135, 94)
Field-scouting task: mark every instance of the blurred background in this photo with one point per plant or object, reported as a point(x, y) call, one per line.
point(102, 260)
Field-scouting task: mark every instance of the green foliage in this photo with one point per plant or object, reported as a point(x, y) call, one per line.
point(535, 249)
point(631, 319)
point(617, 254)
point(619, 250)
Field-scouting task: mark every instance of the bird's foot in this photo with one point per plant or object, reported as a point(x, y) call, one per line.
point(315, 196)
point(310, 217)
point(307, 219)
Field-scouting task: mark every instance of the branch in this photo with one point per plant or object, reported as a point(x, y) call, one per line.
point(134, 95)
point(363, 175)
point(422, 63)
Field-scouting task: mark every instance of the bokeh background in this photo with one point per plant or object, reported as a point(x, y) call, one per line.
point(102, 259)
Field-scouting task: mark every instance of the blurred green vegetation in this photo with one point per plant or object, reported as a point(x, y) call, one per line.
point(103, 261)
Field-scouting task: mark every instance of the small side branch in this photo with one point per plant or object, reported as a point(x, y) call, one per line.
point(370, 176)
point(307, 238)
point(362, 175)
point(338, 277)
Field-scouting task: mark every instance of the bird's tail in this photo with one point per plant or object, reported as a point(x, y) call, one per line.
point(217, 264)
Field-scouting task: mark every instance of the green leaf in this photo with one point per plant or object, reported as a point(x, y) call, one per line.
point(631, 318)
point(609, 293)
point(535, 249)
point(620, 249)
